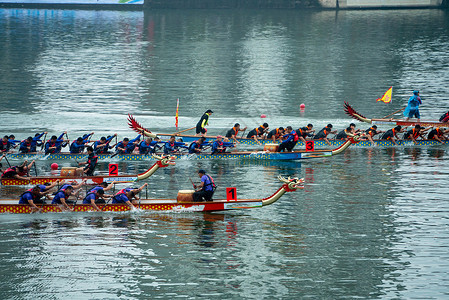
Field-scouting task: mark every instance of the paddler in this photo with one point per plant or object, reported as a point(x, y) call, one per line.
point(172, 146)
point(62, 195)
point(205, 190)
point(18, 172)
point(392, 134)
point(5, 144)
point(412, 109)
point(90, 164)
point(29, 198)
point(25, 145)
point(55, 144)
point(305, 132)
point(94, 197)
point(219, 146)
point(444, 118)
point(276, 134)
point(348, 132)
point(200, 126)
point(234, 131)
point(258, 133)
point(127, 146)
point(323, 133)
point(102, 146)
point(371, 132)
point(44, 189)
point(13, 141)
point(197, 146)
point(289, 140)
point(438, 134)
point(78, 145)
point(415, 133)
point(128, 195)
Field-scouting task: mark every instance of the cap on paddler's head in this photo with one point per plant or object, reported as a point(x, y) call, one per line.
point(329, 126)
point(201, 171)
point(80, 139)
point(415, 92)
point(103, 138)
point(209, 111)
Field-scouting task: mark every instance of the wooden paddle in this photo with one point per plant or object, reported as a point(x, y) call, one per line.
point(393, 113)
point(177, 133)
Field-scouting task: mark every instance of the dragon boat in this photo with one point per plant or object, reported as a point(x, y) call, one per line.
point(254, 155)
point(176, 205)
point(349, 110)
point(67, 174)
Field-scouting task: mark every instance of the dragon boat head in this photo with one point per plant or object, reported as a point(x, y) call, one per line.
point(164, 161)
point(291, 184)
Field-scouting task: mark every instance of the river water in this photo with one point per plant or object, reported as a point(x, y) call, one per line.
point(370, 223)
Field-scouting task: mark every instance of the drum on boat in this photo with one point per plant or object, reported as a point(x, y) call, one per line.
point(185, 196)
point(271, 147)
point(68, 171)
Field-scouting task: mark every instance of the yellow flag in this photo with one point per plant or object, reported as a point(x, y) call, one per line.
point(387, 96)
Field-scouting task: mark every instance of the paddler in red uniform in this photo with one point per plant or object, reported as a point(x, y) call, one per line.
point(18, 172)
point(89, 168)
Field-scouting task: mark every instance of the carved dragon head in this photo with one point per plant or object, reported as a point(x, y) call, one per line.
point(291, 184)
point(164, 161)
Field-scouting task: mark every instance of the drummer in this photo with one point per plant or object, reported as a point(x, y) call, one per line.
point(205, 190)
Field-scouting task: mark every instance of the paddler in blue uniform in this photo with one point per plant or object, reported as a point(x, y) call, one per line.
point(197, 146)
point(5, 144)
point(276, 134)
point(289, 140)
point(127, 146)
point(25, 145)
point(172, 147)
point(205, 190)
point(55, 144)
point(89, 168)
point(234, 131)
point(13, 141)
point(258, 133)
point(200, 126)
point(94, 197)
point(62, 196)
point(412, 109)
point(127, 196)
point(219, 146)
point(36, 141)
point(147, 146)
point(78, 145)
point(29, 198)
point(102, 146)
point(323, 133)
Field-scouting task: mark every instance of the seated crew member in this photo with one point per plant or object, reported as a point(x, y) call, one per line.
point(172, 146)
point(147, 146)
point(25, 145)
point(104, 186)
point(13, 141)
point(200, 126)
point(55, 144)
point(127, 146)
point(29, 198)
point(102, 146)
point(343, 135)
point(37, 141)
point(444, 118)
point(234, 131)
point(438, 134)
point(276, 134)
point(197, 146)
point(78, 145)
point(305, 132)
point(89, 168)
point(371, 132)
point(323, 133)
point(5, 144)
point(289, 140)
point(392, 134)
point(126, 196)
point(18, 172)
point(219, 146)
point(415, 133)
point(258, 133)
point(62, 196)
point(205, 190)
point(94, 197)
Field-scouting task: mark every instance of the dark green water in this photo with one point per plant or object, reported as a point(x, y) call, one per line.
point(371, 223)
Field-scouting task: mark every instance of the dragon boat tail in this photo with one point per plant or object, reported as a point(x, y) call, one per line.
point(175, 205)
point(70, 178)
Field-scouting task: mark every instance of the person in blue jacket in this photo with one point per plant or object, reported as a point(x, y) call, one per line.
point(412, 109)
point(55, 144)
point(78, 145)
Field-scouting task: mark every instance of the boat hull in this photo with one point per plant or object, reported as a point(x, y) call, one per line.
point(8, 206)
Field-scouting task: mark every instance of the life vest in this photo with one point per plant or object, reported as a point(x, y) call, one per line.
point(211, 182)
point(10, 172)
point(295, 136)
point(444, 117)
point(371, 131)
point(87, 195)
point(260, 130)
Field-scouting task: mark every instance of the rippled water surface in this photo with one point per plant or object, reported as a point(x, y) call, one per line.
point(370, 223)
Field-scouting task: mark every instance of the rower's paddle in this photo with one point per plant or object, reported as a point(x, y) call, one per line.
point(393, 113)
point(43, 143)
point(106, 203)
point(7, 161)
point(35, 169)
point(177, 133)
